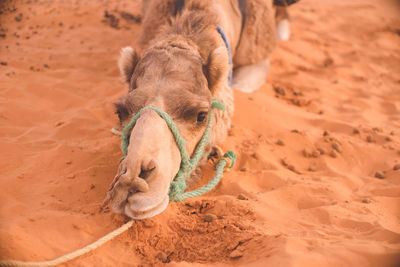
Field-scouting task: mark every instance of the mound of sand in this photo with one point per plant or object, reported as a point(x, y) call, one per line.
point(317, 181)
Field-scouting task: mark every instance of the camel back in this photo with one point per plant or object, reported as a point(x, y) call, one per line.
point(258, 35)
point(258, 38)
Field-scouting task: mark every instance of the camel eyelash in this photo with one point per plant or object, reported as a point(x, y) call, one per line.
point(202, 117)
point(194, 114)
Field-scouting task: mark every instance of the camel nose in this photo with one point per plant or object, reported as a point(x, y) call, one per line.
point(137, 179)
point(147, 169)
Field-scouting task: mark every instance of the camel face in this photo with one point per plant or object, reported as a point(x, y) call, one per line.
point(173, 79)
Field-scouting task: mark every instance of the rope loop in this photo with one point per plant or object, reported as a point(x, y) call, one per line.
point(232, 157)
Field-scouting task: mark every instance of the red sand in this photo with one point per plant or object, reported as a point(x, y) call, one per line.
point(339, 72)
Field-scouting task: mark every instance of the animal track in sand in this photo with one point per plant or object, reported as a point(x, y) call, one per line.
point(310, 153)
point(289, 166)
point(379, 175)
point(280, 142)
point(290, 95)
point(254, 162)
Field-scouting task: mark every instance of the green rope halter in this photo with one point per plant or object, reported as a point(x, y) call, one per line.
point(178, 185)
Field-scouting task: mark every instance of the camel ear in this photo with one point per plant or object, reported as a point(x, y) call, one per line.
point(127, 63)
point(217, 68)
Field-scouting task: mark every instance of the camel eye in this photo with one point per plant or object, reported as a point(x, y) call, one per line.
point(201, 117)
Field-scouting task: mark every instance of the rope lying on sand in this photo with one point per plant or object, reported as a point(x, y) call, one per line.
point(72, 255)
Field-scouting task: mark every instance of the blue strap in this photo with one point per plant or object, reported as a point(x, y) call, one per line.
point(222, 33)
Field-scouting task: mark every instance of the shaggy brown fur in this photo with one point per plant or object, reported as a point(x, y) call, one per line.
point(170, 16)
point(192, 32)
point(258, 32)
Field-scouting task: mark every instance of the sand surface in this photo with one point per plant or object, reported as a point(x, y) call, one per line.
point(309, 144)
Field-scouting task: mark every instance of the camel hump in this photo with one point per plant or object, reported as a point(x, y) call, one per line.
point(258, 38)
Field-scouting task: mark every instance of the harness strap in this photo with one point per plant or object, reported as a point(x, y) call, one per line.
point(222, 33)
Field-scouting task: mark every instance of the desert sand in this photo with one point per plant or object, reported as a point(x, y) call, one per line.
point(317, 181)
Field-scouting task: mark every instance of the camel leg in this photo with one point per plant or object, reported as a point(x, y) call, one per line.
point(250, 77)
point(282, 23)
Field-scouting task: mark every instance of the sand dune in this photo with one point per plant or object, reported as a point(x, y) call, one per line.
point(310, 144)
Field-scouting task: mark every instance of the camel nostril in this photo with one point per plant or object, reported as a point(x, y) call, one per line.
point(140, 185)
point(146, 173)
point(147, 170)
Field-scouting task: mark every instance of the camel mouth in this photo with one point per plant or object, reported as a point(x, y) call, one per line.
point(143, 207)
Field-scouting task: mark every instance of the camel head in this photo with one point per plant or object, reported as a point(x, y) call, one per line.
point(173, 77)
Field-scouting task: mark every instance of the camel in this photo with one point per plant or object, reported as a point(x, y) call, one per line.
point(182, 61)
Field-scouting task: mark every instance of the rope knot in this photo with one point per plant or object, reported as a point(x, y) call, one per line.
point(216, 103)
point(230, 159)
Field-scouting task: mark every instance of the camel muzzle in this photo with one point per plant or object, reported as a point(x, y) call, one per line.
point(178, 185)
point(145, 194)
